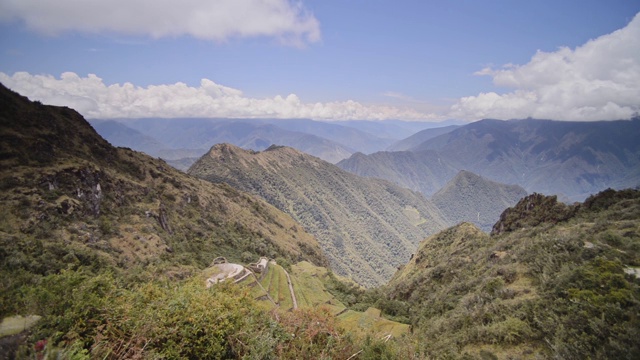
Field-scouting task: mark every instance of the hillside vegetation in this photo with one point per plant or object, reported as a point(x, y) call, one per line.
point(366, 227)
point(107, 245)
point(552, 281)
point(317, 287)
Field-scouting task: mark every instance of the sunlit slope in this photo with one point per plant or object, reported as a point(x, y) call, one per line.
point(366, 227)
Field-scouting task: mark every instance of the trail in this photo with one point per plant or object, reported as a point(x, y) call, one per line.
point(263, 289)
point(293, 296)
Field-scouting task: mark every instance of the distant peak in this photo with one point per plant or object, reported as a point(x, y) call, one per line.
point(467, 173)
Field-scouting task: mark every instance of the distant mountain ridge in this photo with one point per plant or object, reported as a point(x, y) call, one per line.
point(425, 171)
point(367, 227)
point(176, 139)
point(418, 138)
point(570, 159)
point(330, 141)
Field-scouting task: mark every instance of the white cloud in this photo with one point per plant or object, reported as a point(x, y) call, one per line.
point(216, 20)
point(599, 80)
point(94, 99)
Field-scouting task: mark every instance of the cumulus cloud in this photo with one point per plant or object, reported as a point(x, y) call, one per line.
point(599, 80)
point(218, 20)
point(94, 99)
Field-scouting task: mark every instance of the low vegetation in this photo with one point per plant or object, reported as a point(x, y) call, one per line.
point(552, 284)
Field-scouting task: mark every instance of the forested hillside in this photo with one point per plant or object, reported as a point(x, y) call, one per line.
point(367, 227)
point(426, 171)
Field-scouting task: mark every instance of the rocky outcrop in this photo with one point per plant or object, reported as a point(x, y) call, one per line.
point(533, 210)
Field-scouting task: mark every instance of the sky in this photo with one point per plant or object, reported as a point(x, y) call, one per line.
point(326, 59)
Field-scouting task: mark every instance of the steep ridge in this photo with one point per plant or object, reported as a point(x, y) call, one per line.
point(472, 198)
point(425, 172)
point(367, 227)
point(71, 200)
point(556, 281)
point(568, 159)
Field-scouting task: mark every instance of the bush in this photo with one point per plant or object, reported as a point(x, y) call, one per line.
point(177, 321)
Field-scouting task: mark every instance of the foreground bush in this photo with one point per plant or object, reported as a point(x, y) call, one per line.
point(96, 316)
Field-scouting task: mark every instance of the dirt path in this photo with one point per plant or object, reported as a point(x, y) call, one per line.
point(293, 296)
point(263, 289)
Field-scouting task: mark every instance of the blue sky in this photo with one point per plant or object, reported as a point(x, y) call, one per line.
point(326, 59)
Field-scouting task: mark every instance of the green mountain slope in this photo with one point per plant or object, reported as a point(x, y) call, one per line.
point(309, 289)
point(64, 184)
point(104, 243)
point(552, 281)
point(472, 198)
point(366, 227)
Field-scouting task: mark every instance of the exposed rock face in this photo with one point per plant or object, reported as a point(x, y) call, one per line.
point(163, 220)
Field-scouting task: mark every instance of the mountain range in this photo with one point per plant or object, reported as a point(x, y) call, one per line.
point(569, 159)
point(181, 141)
point(105, 253)
point(418, 138)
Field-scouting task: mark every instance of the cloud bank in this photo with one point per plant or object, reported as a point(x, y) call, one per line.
point(599, 80)
point(94, 99)
point(217, 20)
